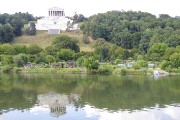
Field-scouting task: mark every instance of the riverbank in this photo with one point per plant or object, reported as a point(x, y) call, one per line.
point(81, 71)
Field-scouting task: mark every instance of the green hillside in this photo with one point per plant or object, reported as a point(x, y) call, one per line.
point(43, 40)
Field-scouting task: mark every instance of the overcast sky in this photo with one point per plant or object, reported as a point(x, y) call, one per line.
point(90, 7)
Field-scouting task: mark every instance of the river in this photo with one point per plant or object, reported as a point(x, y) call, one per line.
point(89, 97)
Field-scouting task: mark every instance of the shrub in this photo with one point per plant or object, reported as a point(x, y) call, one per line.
point(85, 39)
point(7, 68)
point(104, 70)
point(123, 71)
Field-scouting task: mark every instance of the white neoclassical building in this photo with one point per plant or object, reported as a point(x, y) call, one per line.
point(55, 22)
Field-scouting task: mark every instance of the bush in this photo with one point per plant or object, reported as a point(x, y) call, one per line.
point(123, 71)
point(85, 39)
point(117, 61)
point(91, 64)
point(7, 68)
point(104, 70)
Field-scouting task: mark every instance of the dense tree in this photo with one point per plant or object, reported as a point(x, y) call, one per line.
point(1, 33)
point(18, 61)
point(17, 25)
point(50, 50)
point(78, 18)
point(6, 59)
point(103, 52)
point(20, 49)
point(66, 42)
point(168, 52)
point(91, 63)
point(7, 49)
point(175, 60)
point(139, 64)
point(157, 51)
point(50, 59)
point(133, 29)
point(34, 49)
point(31, 30)
point(12, 25)
point(7, 33)
point(66, 54)
point(40, 57)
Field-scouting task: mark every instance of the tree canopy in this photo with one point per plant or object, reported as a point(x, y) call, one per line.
point(66, 42)
point(134, 29)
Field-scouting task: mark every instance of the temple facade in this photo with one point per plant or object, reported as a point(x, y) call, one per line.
point(55, 22)
point(55, 11)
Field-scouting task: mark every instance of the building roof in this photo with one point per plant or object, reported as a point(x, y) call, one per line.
point(56, 8)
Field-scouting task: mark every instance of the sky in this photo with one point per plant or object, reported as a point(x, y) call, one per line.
point(90, 7)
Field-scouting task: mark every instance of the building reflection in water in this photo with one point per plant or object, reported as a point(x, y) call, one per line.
point(57, 109)
point(57, 102)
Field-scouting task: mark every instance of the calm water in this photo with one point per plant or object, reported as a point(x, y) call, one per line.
point(89, 97)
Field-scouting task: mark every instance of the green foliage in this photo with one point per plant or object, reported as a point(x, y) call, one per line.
point(139, 64)
point(31, 30)
point(34, 49)
point(31, 58)
point(165, 65)
point(66, 54)
point(105, 69)
point(66, 42)
point(175, 60)
point(156, 52)
point(91, 63)
point(85, 39)
point(40, 57)
point(117, 61)
point(103, 52)
point(7, 49)
point(78, 18)
point(18, 60)
point(134, 29)
point(11, 25)
point(50, 59)
point(7, 68)
point(50, 50)
point(6, 59)
point(123, 71)
point(20, 49)
point(7, 34)
point(1, 34)
point(17, 25)
point(81, 61)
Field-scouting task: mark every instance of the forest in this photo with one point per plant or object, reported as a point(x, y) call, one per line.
point(11, 25)
point(121, 37)
point(138, 34)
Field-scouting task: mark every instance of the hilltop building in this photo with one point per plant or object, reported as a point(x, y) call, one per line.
point(55, 22)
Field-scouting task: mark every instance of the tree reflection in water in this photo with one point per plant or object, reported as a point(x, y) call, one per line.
point(112, 92)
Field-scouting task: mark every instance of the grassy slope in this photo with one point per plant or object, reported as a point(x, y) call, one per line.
point(43, 39)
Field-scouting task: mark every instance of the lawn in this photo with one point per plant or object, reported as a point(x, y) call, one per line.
point(43, 39)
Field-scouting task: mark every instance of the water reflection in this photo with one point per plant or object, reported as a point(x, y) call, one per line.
point(56, 102)
point(112, 97)
point(167, 113)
